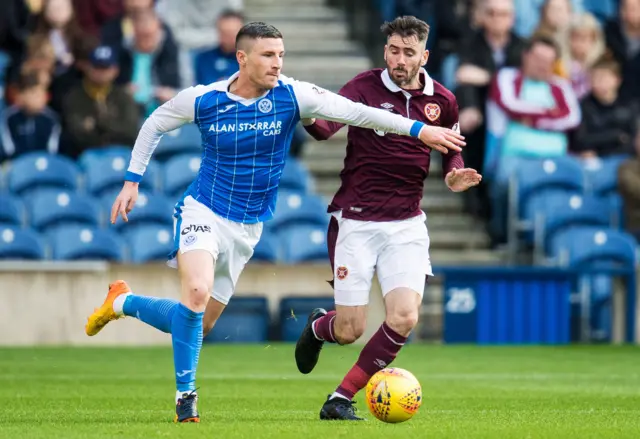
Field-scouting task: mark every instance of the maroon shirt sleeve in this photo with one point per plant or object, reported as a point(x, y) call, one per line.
point(450, 120)
point(323, 129)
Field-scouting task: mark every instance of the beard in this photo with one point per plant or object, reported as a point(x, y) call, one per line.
point(403, 76)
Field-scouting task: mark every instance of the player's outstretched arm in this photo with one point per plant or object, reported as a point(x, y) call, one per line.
point(321, 129)
point(168, 117)
point(317, 102)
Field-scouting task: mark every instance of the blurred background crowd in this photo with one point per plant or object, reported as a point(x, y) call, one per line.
point(533, 78)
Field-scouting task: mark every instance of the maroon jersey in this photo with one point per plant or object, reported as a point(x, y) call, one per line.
point(383, 175)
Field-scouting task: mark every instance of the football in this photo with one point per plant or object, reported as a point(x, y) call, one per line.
point(393, 395)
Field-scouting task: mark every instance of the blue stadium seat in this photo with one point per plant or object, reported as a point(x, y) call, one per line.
point(51, 208)
point(268, 248)
point(305, 243)
point(293, 208)
point(602, 174)
point(86, 243)
point(186, 139)
point(11, 210)
point(18, 243)
point(244, 320)
point(150, 243)
point(37, 170)
point(294, 312)
point(555, 212)
point(150, 209)
point(295, 176)
point(179, 173)
point(98, 154)
point(594, 247)
point(106, 173)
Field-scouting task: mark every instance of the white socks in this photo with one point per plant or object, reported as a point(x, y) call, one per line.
point(118, 303)
point(179, 394)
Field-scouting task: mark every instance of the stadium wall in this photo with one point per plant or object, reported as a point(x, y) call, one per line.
point(48, 303)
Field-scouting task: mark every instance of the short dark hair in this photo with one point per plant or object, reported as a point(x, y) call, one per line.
point(406, 26)
point(607, 62)
point(545, 40)
point(257, 30)
point(231, 13)
point(28, 80)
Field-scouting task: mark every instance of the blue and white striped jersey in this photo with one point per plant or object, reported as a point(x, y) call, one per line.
point(246, 141)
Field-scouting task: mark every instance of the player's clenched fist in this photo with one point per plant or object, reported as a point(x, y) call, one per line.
point(441, 139)
point(125, 201)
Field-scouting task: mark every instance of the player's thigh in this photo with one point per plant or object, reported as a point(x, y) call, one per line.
point(353, 250)
point(350, 323)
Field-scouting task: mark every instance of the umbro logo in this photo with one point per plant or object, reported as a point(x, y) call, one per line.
point(227, 108)
point(387, 106)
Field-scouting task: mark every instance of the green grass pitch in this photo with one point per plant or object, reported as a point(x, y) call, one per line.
point(256, 392)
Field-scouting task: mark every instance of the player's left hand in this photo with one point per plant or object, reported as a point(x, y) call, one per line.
point(459, 180)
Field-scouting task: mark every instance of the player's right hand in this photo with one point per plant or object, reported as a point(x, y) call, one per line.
point(441, 139)
point(125, 201)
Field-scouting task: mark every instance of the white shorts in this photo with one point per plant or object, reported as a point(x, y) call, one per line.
point(196, 227)
point(398, 251)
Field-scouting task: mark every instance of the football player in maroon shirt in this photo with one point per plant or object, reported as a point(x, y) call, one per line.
point(377, 224)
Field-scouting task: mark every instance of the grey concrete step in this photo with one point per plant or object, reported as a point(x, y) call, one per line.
point(325, 46)
point(310, 30)
point(455, 239)
point(250, 4)
point(281, 11)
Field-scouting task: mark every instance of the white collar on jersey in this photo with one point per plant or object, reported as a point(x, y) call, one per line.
point(428, 82)
point(226, 84)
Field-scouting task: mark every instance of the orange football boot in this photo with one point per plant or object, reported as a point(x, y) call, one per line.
point(103, 315)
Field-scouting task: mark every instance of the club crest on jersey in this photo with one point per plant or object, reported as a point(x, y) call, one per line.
point(342, 272)
point(432, 111)
point(265, 105)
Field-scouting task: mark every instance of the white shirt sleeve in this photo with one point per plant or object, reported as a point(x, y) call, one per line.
point(317, 102)
point(169, 116)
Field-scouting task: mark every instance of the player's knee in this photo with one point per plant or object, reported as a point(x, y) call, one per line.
point(403, 321)
point(197, 294)
point(349, 331)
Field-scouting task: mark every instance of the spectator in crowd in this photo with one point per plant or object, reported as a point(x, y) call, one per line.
point(40, 59)
point(14, 22)
point(530, 13)
point(97, 112)
point(492, 47)
point(150, 63)
point(118, 31)
point(554, 22)
point(220, 62)
point(609, 119)
point(530, 112)
point(586, 46)
point(623, 39)
point(629, 188)
point(93, 15)
point(57, 22)
point(29, 125)
point(62, 84)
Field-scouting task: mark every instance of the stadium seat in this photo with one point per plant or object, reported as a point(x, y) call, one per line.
point(594, 247)
point(86, 243)
point(305, 243)
point(602, 174)
point(245, 320)
point(295, 177)
point(104, 174)
point(98, 154)
point(38, 170)
point(293, 208)
point(186, 139)
point(150, 243)
point(51, 208)
point(553, 212)
point(268, 248)
point(179, 172)
point(294, 312)
point(11, 210)
point(150, 209)
point(20, 244)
